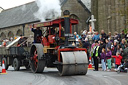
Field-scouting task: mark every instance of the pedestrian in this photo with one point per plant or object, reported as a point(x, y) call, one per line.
point(108, 56)
point(96, 55)
point(103, 59)
point(118, 59)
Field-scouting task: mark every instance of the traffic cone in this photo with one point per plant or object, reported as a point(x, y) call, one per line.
point(90, 64)
point(3, 68)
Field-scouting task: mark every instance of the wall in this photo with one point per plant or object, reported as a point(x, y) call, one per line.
point(111, 15)
point(76, 8)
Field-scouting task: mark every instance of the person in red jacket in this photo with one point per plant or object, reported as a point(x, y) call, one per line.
point(118, 59)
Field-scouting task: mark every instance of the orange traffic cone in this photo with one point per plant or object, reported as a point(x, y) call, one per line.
point(3, 68)
point(90, 64)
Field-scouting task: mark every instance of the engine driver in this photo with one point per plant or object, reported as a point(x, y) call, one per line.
point(37, 34)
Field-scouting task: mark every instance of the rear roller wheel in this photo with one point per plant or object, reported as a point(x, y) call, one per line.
point(5, 63)
point(37, 64)
point(73, 63)
point(16, 64)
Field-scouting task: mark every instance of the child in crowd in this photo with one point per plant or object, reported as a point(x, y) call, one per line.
point(118, 59)
point(103, 59)
point(108, 56)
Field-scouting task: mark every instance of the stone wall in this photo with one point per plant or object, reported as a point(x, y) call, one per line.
point(16, 31)
point(111, 15)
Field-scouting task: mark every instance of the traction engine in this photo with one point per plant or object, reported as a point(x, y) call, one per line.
point(58, 49)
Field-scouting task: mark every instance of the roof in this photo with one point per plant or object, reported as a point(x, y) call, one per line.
point(19, 15)
point(54, 22)
point(84, 6)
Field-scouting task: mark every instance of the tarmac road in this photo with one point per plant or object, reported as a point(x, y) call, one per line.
point(51, 77)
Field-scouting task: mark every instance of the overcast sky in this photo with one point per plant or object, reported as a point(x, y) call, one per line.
point(12, 3)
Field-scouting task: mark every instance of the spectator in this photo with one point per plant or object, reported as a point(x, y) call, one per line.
point(119, 49)
point(103, 35)
point(116, 36)
point(78, 41)
point(122, 35)
point(75, 34)
point(114, 48)
point(89, 36)
point(108, 56)
point(119, 37)
point(126, 37)
point(109, 35)
point(92, 49)
point(82, 37)
point(102, 45)
point(103, 59)
point(108, 44)
point(4, 43)
point(86, 44)
point(118, 59)
point(125, 53)
point(123, 44)
point(96, 37)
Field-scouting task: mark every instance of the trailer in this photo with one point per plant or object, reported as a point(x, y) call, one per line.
point(15, 56)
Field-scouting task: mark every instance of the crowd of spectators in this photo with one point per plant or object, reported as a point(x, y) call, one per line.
point(104, 48)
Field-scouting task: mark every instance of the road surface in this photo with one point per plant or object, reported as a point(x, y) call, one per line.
point(51, 77)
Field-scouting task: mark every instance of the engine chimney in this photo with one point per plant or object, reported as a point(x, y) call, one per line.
point(66, 14)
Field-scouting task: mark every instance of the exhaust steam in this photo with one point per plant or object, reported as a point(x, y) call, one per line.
point(48, 9)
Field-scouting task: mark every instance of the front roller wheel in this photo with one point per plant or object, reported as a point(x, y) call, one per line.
point(37, 64)
point(73, 63)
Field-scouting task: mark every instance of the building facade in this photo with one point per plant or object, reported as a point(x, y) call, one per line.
point(16, 21)
point(111, 15)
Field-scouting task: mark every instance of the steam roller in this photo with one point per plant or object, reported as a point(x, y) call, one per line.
point(59, 49)
point(73, 63)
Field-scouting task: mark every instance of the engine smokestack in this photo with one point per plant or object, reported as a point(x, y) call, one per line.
point(66, 14)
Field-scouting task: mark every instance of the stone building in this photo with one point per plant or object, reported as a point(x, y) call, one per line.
point(16, 21)
point(111, 15)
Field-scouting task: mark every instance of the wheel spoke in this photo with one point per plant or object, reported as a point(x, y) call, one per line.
point(37, 66)
point(35, 58)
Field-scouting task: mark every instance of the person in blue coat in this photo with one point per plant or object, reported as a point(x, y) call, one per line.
point(96, 37)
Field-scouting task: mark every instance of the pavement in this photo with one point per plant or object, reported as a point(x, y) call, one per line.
point(51, 77)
